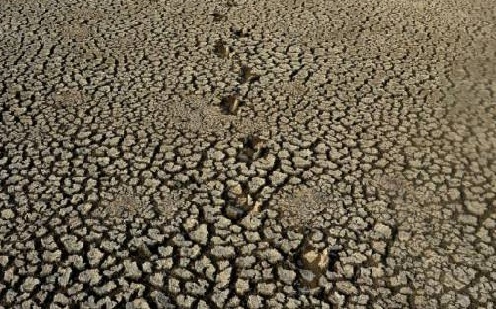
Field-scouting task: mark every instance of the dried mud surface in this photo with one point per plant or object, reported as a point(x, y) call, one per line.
point(247, 154)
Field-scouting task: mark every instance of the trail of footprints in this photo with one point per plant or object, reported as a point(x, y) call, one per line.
point(141, 177)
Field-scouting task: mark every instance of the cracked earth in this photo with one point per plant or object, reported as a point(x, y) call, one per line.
point(247, 154)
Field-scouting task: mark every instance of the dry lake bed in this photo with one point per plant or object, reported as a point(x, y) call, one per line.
point(247, 154)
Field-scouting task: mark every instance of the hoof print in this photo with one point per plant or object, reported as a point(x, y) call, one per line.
point(221, 49)
point(247, 75)
point(239, 202)
point(314, 264)
point(218, 17)
point(254, 147)
point(231, 104)
point(256, 142)
point(241, 33)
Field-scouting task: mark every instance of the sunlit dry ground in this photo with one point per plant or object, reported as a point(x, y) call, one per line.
point(247, 154)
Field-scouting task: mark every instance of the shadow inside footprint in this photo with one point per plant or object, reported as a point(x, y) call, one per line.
point(314, 264)
point(218, 17)
point(240, 32)
point(254, 147)
point(231, 104)
point(221, 49)
point(247, 75)
point(239, 202)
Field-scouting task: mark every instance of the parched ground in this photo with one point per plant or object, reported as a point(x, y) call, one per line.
point(247, 154)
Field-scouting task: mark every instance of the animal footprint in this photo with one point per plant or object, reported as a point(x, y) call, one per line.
point(222, 50)
point(254, 147)
point(247, 75)
point(231, 104)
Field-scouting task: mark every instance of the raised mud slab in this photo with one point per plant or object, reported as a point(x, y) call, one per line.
point(247, 154)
